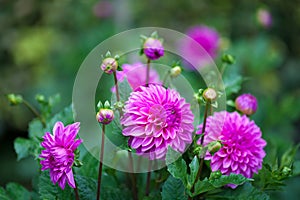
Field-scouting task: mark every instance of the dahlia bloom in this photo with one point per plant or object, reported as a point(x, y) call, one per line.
point(155, 118)
point(264, 18)
point(153, 48)
point(136, 75)
point(207, 38)
point(242, 151)
point(59, 153)
point(246, 103)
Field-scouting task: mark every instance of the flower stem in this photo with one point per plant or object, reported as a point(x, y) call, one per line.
point(116, 85)
point(201, 159)
point(147, 191)
point(100, 164)
point(76, 193)
point(132, 177)
point(148, 72)
point(34, 111)
point(166, 77)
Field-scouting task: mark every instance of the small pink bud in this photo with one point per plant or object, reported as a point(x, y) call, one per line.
point(153, 48)
point(246, 103)
point(109, 65)
point(105, 116)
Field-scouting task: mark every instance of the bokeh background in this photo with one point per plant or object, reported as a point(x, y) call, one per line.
point(43, 43)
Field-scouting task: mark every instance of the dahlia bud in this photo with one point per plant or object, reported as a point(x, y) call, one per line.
point(105, 116)
point(41, 99)
point(286, 171)
point(153, 48)
point(14, 99)
point(227, 58)
point(175, 71)
point(109, 65)
point(246, 103)
point(264, 18)
point(215, 175)
point(210, 94)
point(214, 146)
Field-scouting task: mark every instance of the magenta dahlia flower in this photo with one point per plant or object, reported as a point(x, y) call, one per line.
point(153, 48)
point(242, 151)
point(155, 118)
point(59, 153)
point(204, 36)
point(246, 103)
point(136, 75)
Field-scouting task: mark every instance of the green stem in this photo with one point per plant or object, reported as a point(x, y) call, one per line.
point(34, 111)
point(148, 72)
point(132, 177)
point(201, 160)
point(76, 193)
point(166, 77)
point(147, 191)
point(116, 85)
point(101, 164)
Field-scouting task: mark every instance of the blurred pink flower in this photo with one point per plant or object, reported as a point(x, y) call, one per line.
point(204, 36)
point(242, 151)
point(264, 18)
point(59, 153)
point(136, 75)
point(103, 9)
point(155, 118)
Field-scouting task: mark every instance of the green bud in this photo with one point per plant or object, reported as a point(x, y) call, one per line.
point(14, 99)
point(107, 105)
point(99, 105)
point(41, 99)
point(214, 146)
point(286, 171)
point(215, 175)
point(210, 94)
point(175, 71)
point(229, 59)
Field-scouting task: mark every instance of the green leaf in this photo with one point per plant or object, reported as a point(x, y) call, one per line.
point(87, 187)
point(35, 129)
point(3, 195)
point(23, 147)
point(232, 84)
point(124, 91)
point(244, 192)
point(115, 193)
point(211, 184)
point(194, 167)
point(48, 190)
point(287, 158)
point(17, 192)
point(177, 169)
point(89, 167)
point(173, 189)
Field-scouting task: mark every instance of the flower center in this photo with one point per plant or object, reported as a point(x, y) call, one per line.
point(166, 115)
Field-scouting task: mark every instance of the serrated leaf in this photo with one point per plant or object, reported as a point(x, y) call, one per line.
point(48, 190)
point(173, 189)
point(17, 192)
point(87, 187)
point(124, 91)
point(208, 185)
point(244, 192)
point(3, 195)
point(23, 147)
point(177, 169)
point(194, 167)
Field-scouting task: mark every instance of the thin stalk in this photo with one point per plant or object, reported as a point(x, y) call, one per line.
point(132, 177)
point(201, 159)
point(147, 191)
point(101, 164)
point(116, 85)
point(34, 111)
point(166, 77)
point(148, 72)
point(76, 193)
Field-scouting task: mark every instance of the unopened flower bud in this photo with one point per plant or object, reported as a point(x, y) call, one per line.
point(109, 65)
point(215, 175)
point(286, 171)
point(153, 48)
point(175, 71)
point(105, 116)
point(246, 103)
point(229, 59)
point(210, 94)
point(214, 146)
point(14, 99)
point(41, 99)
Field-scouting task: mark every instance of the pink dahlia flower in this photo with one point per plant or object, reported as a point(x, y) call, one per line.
point(136, 75)
point(204, 36)
point(155, 118)
point(246, 103)
point(59, 153)
point(242, 151)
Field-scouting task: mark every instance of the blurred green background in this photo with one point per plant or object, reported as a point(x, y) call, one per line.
point(43, 43)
